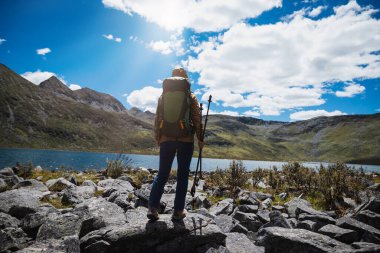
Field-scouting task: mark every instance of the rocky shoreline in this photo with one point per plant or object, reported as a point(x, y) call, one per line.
point(109, 215)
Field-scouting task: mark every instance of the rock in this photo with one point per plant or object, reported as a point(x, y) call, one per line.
point(204, 212)
point(58, 184)
point(320, 220)
point(360, 227)
point(236, 242)
point(223, 207)
point(344, 235)
point(201, 201)
point(31, 184)
point(58, 225)
point(293, 204)
point(11, 180)
point(374, 187)
point(89, 183)
point(308, 225)
point(72, 179)
point(32, 222)
point(163, 235)
point(217, 193)
point(366, 247)
point(285, 215)
point(260, 196)
point(277, 220)
point(266, 203)
point(119, 185)
point(106, 182)
point(225, 223)
point(39, 178)
point(283, 195)
point(263, 216)
point(169, 188)
point(248, 208)
point(3, 185)
point(98, 213)
point(7, 172)
point(38, 168)
point(19, 203)
point(67, 244)
point(77, 194)
point(283, 240)
point(238, 228)
point(245, 198)
point(308, 210)
point(372, 205)
point(167, 200)
point(138, 213)
point(293, 222)
point(7, 221)
point(12, 239)
point(248, 220)
point(278, 208)
point(368, 217)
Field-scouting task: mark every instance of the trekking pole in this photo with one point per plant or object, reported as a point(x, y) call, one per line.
point(199, 162)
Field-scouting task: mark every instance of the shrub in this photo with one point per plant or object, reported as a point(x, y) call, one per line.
point(24, 170)
point(258, 175)
point(115, 168)
point(236, 176)
point(218, 178)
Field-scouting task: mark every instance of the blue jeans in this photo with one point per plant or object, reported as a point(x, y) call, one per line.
point(168, 151)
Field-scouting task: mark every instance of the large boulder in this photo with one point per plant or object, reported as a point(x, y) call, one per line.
point(237, 242)
point(59, 225)
point(31, 184)
point(365, 247)
point(222, 207)
point(12, 239)
point(7, 171)
point(320, 220)
point(116, 185)
point(277, 220)
point(248, 220)
point(7, 221)
point(341, 234)
point(32, 222)
point(368, 217)
point(163, 235)
point(58, 184)
point(225, 223)
point(295, 203)
point(66, 244)
point(260, 196)
point(248, 208)
point(366, 232)
point(19, 202)
point(245, 197)
point(283, 240)
point(97, 213)
point(77, 194)
point(372, 205)
point(9, 177)
point(3, 185)
point(142, 196)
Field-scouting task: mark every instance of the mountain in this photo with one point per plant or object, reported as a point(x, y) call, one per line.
point(50, 115)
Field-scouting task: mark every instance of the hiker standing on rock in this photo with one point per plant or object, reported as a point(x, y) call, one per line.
point(177, 119)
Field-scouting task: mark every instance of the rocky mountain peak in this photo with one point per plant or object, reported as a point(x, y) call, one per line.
point(56, 86)
point(98, 100)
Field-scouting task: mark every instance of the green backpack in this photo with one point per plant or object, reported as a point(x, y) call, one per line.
point(176, 106)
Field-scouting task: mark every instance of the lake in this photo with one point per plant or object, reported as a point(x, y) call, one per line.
point(52, 159)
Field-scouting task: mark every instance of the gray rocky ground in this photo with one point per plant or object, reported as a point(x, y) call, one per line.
point(115, 221)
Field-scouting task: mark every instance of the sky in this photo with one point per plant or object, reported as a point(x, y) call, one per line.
point(268, 59)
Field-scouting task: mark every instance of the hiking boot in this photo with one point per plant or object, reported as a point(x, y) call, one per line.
point(152, 214)
point(179, 215)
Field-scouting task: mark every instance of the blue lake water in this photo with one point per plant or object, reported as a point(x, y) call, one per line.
point(52, 159)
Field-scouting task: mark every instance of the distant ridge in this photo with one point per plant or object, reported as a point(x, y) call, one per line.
point(53, 116)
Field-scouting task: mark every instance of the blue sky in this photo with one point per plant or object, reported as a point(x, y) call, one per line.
point(270, 59)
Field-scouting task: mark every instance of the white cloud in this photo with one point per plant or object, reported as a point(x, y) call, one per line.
point(316, 11)
point(111, 37)
point(225, 112)
point(145, 99)
point(304, 115)
point(74, 87)
point(211, 15)
point(43, 51)
point(350, 90)
point(2, 41)
point(251, 113)
point(288, 65)
point(39, 76)
point(170, 46)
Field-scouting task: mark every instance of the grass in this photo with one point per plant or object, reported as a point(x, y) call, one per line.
point(56, 202)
